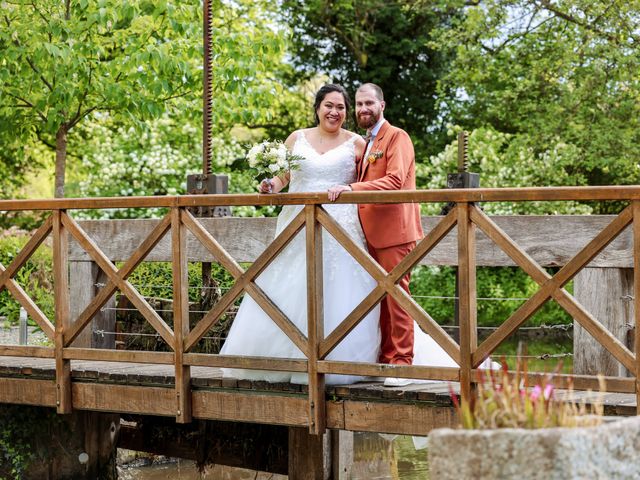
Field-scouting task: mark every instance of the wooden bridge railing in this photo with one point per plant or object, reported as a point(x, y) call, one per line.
point(312, 218)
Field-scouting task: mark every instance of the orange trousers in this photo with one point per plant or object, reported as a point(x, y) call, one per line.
point(396, 326)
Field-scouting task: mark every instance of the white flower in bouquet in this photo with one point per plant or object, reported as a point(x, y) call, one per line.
point(252, 156)
point(271, 158)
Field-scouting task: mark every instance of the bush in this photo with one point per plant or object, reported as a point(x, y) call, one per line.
point(493, 283)
point(154, 281)
point(35, 277)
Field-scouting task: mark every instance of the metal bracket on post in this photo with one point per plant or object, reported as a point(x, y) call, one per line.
point(461, 179)
point(208, 183)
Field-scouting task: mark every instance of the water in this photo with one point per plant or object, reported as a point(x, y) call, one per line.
point(376, 457)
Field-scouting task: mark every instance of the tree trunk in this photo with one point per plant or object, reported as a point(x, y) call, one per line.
point(61, 160)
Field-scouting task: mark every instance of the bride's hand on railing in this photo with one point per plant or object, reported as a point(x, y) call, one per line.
point(266, 185)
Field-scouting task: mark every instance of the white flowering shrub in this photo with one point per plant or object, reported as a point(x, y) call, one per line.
point(505, 160)
point(121, 161)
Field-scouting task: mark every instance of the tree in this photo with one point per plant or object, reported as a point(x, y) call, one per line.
point(555, 77)
point(388, 43)
point(137, 60)
point(63, 60)
point(250, 69)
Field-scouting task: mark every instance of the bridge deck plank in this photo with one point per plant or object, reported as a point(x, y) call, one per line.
point(211, 378)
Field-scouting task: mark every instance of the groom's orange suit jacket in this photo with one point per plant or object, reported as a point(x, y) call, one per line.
point(386, 225)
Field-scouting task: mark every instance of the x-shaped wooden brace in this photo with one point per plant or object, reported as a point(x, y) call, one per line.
point(117, 279)
point(387, 284)
point(552, 287)
point(7, 281)
point(245, 281)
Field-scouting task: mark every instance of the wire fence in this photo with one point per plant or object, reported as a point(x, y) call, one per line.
point(540, 329)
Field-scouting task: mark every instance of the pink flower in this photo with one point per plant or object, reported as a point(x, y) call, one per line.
point(454, 397)
point(548, 391)
point(535, 393)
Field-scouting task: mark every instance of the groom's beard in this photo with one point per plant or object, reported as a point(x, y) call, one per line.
point(368, 121)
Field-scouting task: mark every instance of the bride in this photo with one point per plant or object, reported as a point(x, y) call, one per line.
point(329, 154)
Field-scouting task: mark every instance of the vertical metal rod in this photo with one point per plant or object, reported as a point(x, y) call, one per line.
point(22, 327)
point(463, 155)
point(207, 88)
point(207, 93)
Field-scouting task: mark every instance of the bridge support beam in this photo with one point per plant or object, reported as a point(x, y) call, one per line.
point(309, 455)
point(607, 293)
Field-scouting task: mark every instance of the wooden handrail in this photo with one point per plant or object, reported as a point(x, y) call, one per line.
point(315, 346)
point(524, 194)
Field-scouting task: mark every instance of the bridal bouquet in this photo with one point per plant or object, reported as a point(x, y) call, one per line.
point(271, 158)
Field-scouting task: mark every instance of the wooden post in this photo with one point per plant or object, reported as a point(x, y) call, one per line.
point(85, 279)
point(467, 289)
point(636, 295)
point(180, 315)
point(100, 435)
point(315, 321)
point(61, 299)
point(605, 293)
point(309, 455)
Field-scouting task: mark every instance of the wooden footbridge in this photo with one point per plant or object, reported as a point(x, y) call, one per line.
point(83, 373)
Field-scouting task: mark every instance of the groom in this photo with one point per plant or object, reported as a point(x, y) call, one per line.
point(391, 230)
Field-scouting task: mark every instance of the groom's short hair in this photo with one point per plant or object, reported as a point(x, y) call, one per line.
point(376, 89)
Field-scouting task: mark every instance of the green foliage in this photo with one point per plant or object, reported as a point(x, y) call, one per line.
point(154, 281)
point(153, 160)
point(388, 43)
point(249, 68)
point(36, 277)
point(105, 55)
point(541, 353)
point(22, 429)
point(62, 61)
point(492, 283)
point(557, 80)
point(507, 160)
point(137, 60)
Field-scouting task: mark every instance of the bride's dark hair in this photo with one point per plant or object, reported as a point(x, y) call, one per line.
point(324, 91)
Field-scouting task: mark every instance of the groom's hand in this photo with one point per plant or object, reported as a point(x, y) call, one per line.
point(336, 190)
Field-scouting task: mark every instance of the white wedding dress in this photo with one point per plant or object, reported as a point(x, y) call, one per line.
point(345, 285)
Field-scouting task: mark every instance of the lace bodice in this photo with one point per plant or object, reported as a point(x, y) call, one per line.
point(318, 172)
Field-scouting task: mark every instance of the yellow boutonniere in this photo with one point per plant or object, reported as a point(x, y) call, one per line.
point(373, 156)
